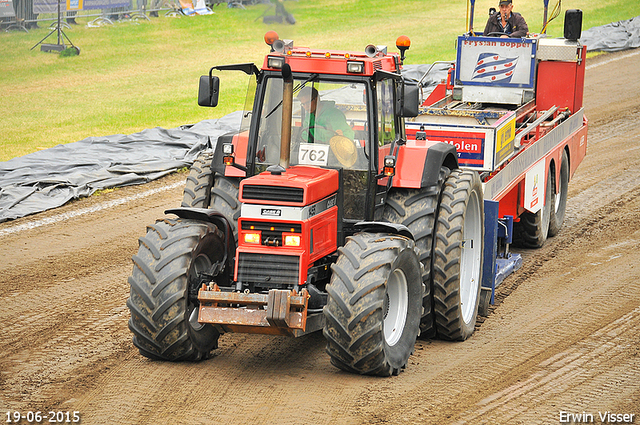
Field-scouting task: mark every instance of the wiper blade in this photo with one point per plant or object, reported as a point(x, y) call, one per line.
point(304, 83)
point(295, 89)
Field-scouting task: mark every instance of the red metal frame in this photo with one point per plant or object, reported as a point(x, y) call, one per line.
point(512, 198)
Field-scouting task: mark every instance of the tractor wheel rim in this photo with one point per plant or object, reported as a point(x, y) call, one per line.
point(470, 259)
point(200, 264)
point(396, 307)
point(193, 320)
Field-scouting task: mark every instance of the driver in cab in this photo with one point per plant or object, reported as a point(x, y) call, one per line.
point(321, 120)
point(506, 23)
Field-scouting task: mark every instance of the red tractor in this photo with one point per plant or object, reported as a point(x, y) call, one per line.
point(327, 211)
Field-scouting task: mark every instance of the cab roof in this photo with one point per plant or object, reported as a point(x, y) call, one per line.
point(302, 59)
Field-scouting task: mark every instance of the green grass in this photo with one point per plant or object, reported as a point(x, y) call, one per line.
point(130, 77)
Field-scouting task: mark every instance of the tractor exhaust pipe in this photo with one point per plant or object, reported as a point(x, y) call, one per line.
point(287, 109)
point(285, 134)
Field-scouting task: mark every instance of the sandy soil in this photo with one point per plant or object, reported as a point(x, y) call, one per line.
point(564, 335)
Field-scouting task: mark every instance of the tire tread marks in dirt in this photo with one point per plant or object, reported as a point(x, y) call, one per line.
point(448, 248)
point(159, 285)
point(354, 313)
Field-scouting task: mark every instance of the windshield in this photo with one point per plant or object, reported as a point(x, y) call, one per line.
point(329, 124)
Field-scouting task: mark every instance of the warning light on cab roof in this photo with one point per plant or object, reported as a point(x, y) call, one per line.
point(270, 37)
point(403, 43)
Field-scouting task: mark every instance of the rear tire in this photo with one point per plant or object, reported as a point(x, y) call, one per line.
point(457, 262)
point(559, 201)
point(166, 270)
point(205, 189)
point(198, 186)
point(224, 199)
point(416, 209)
point(372, 316)
point(532, 229)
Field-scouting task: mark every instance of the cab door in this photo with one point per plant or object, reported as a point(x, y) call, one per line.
point(389, 130)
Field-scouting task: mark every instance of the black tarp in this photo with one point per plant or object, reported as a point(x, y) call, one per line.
point(621, 35)
point(50, 178)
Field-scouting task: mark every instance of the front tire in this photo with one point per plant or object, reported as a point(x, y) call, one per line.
point(374, 305)
point(457, 262)
point(171, 260)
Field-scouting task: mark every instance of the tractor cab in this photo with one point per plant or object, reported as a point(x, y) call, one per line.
point(346, 113)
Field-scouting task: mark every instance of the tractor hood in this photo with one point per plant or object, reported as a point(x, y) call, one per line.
point(297, 186)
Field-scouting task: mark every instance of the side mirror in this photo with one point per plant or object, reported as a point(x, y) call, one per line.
point(410, 103)
point(208, 91)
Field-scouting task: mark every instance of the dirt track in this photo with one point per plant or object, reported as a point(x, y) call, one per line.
point(564, 335)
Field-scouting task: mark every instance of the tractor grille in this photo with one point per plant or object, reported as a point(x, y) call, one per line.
point(377, 64)
point(268, 269)
point(273, 193)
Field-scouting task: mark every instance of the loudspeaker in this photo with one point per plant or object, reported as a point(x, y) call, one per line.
point(572, 24)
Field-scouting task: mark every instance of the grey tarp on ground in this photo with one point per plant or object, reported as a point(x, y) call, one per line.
point(50, 178)
point(621, 35)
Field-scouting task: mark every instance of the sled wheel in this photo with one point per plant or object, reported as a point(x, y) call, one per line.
point(169, 265)
point(457, 262)
point(374, 305)
point(559, 201)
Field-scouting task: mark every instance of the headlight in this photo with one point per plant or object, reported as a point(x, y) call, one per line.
point(389, 166)
point(252, 238)
point(355, 67)
point(292, 240)
point(275, 62)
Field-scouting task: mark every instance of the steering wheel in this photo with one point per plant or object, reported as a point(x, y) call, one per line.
point(496, 34)
point(303, 130)
point(307, 128)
